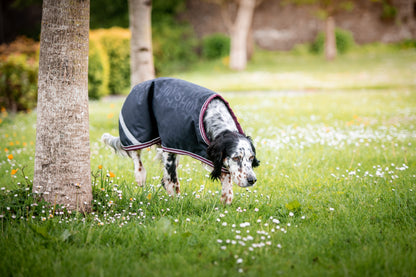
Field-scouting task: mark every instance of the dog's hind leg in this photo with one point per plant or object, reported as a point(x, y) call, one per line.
point(139, 170)
point(170, 177)
point(227, 188)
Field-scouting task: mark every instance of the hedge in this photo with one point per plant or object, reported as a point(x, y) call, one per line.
point(19, 74)
point(343, 38)
point(215, 46)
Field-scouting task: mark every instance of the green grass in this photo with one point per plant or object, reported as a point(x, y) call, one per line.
point(365, 67)
point(335, 195)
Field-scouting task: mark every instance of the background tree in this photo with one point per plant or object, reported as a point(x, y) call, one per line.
point(239, 29)
point(62, 159)
point(141, 53)
point(327, 10)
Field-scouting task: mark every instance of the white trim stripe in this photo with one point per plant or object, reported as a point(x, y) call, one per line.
point(126, 130)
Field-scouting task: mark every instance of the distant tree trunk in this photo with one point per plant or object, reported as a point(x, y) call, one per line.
point(141, 53)
point(62, 172)
point(239, 34)
point(330, 41)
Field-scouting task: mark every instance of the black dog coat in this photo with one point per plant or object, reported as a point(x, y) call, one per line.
point(169, 112)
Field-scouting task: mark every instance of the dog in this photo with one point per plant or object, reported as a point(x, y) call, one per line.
point(184, 119)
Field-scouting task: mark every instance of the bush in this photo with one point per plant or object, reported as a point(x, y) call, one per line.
point(344, 41)
point(173, 46)
point(116, 44)
point(215, 46)
point(18, 82)
point(98, 69)
point(19, 74)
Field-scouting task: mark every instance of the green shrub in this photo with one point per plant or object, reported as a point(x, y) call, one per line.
point(116, 44)
point(173, 46)
point(98, 69)
point(406, 44)
point(344, 41)
point(19, 74)
point(215, 46)
point(18, 82)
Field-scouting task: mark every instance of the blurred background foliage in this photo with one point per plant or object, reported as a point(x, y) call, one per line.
point(176, 48)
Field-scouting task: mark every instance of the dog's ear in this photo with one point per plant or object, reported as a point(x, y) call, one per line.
point(255, 162)
point(215, 153)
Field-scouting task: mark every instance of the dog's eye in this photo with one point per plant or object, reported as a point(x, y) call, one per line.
point(251, 158)
point(236, 159)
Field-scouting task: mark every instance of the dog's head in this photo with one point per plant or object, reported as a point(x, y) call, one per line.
point(237, 154)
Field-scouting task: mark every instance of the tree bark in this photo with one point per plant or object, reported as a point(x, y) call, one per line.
point(62, 160)
point(239, 34)
point(330, 41)
point(141, 53)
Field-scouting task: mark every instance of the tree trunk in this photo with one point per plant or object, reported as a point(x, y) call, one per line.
point(62, 159)
point(141, 53)
point(330, 42)
point(239, 34)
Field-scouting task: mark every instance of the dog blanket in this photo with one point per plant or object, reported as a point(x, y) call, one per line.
point(169, 112)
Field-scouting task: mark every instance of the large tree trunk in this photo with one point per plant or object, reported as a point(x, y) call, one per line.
point(239, 34)
point(62, 161)
point(141, 54)
point(330, 41)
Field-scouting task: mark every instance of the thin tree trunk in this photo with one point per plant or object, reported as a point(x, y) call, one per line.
point(330, 42)
point(62, 172)
point(141, 53)
point(239, 34)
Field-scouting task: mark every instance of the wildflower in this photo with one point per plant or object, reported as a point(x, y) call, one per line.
point(149, 196)
point(245, 224)
point(219, 240)
point(111, 174)
point(10, 157)
point(331, 209)
point(291, 214)
point(14, 171)
point(239, 261)
point(100, 167)
point(276, 221)
point(188, 220)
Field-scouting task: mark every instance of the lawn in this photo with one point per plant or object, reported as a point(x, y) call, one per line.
point(335, 194)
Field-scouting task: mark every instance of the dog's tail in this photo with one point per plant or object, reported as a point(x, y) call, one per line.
point(114, 142)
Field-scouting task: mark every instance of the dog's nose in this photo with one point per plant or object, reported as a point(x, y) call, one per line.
point(251, 180)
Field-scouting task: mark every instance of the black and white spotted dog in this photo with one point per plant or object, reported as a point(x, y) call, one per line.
point(184, 119)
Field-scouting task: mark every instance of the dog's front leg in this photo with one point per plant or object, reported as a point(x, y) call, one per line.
point(227, 188)
point(170, 178)
point(139, 171)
